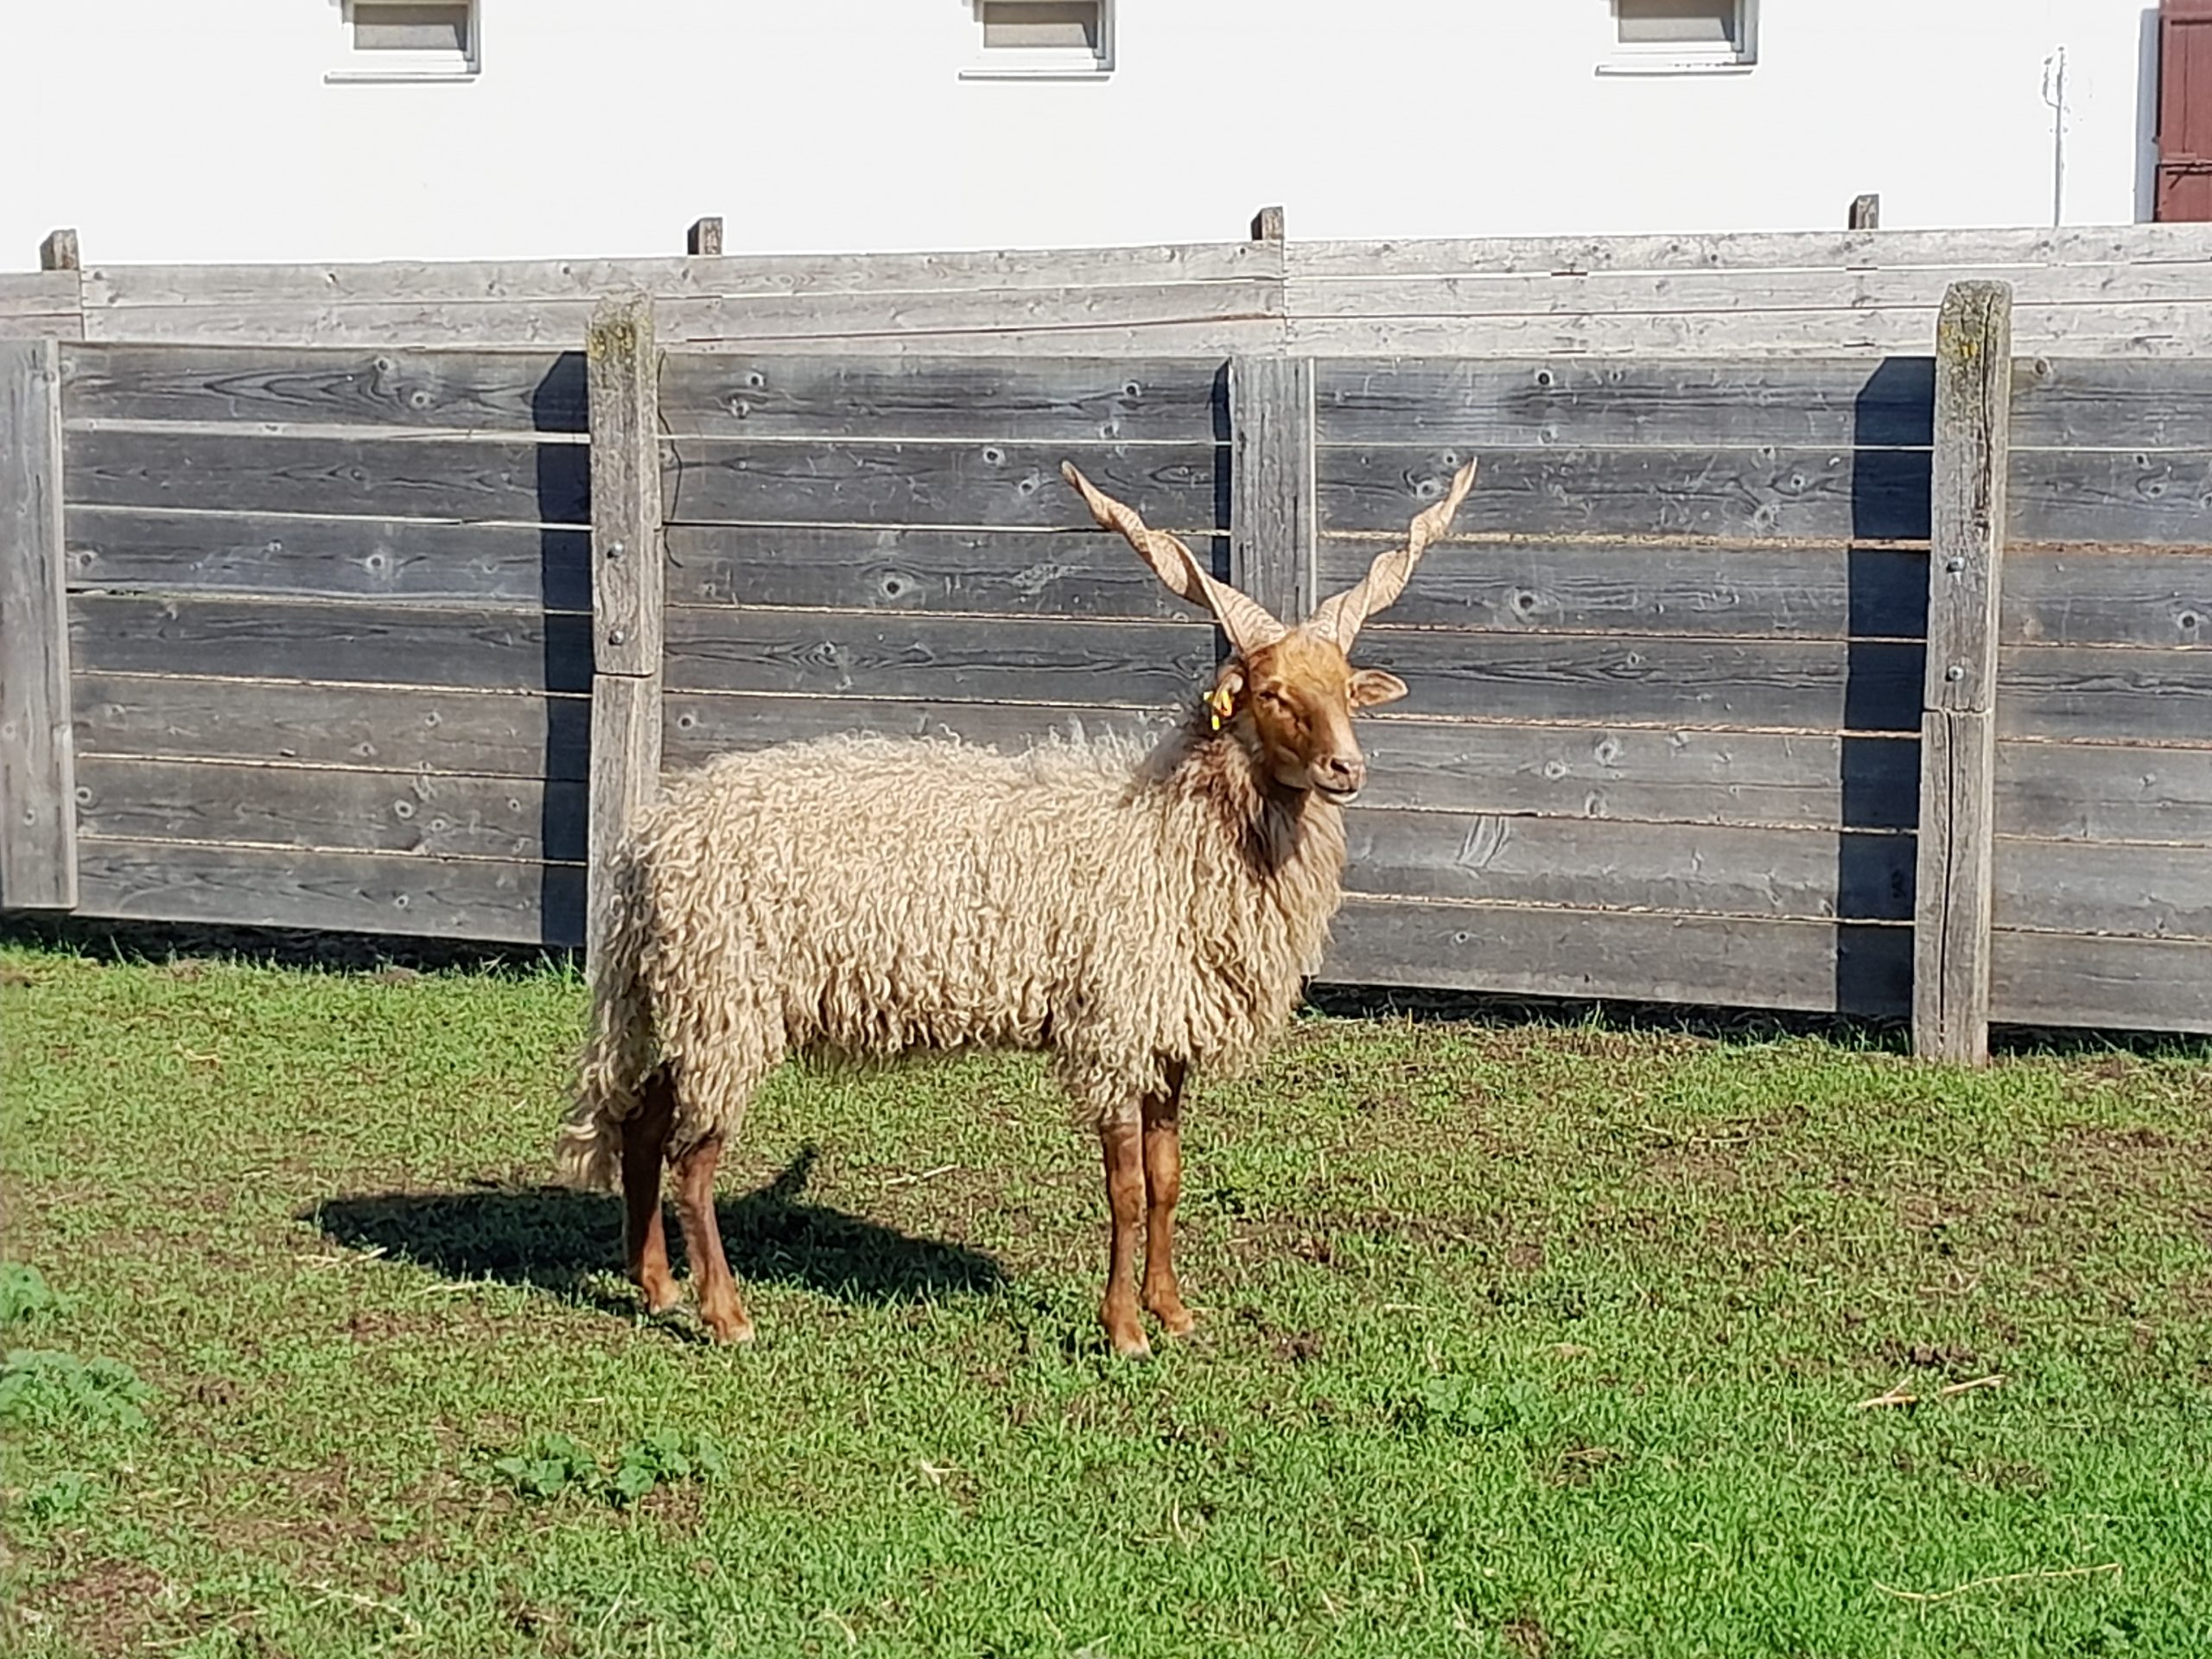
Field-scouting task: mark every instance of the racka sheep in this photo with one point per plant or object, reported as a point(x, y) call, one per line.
point(1136, 915)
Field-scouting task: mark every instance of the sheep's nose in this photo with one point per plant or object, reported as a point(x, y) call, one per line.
point(1345, 770)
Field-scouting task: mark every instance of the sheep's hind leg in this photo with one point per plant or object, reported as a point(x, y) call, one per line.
point(645, 1147)
point(1123, 1143)
point(1163, 1179)
point(720, 1309)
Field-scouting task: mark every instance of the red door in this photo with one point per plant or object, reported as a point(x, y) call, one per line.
point(2184, 110)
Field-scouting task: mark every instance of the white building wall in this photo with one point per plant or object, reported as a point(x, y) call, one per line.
point(164, 133)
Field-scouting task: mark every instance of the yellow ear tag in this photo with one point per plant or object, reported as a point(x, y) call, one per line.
point(1223, 702)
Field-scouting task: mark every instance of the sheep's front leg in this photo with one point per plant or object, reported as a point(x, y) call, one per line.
point(645, 1145)
point(1124, 1147)
point(720, 1308)
point(1163, 1179)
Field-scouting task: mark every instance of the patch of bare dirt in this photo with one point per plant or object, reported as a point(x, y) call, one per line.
point(1953, 1359)
point(106, 1607)
point(1526, 1638)
point(1578, 1465)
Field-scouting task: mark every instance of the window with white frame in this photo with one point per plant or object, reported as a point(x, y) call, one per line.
point(1055, 38)
point(1658, 35)
point(384, 40)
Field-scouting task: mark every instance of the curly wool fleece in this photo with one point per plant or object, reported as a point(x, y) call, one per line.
point(865, 896)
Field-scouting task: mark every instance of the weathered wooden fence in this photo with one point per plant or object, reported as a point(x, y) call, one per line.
point(329, 629)
point(2136, 290)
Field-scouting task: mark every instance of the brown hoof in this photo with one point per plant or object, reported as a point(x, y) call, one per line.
point(661, 1295)
point(1175, 1320)
point(730, 1329)
point(1125, 1334)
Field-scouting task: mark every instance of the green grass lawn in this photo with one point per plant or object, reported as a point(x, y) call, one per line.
point(1525, 1340)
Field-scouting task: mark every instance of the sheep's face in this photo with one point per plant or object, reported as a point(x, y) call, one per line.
point(1295, 699)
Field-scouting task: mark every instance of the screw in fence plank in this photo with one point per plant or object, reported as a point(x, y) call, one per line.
point(38, 786)
point(1951, 942)
point(1866, 212)
point(705, 236)
point(1271, 522)
point(627, 574)
point(1267, 225)
point(58, 251)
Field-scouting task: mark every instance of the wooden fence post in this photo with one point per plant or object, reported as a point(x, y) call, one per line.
point(1271, 522)
point(705, 236)
point(1867, 212)
point(58, 251)
point(1973, 395)
point(626, 573)
point(38, 783)
point(1267, 225)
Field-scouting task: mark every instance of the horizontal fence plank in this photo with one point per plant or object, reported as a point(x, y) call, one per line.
point(402, 325)
point(2120, 696)
point(1004, 572)
point(1000, 486)
point(2110, 402)
point(127, 550)
point(2103, 792)
point(560, 325)
point(699, 725)
point(2060, 979)
point(1899, 250)
point(1570, 771)
point(1864, 686)
point(2084, 887)
point(258, 886)
point(1667, 402)
point(2178, 329)
point(1681, 775)
point(2111, 496)
point(36, 294)
point(1824, 494)
point(42, 325)
point(390, 728)
point(1706, 961)
point(1600, 334)
point(1217, 338)
point(301, 639)
point(1034, 315)
point(472, 481)
point(1030, 311)
point(342, 810)
point(732, 394)
point(1523, 293)
point(1598, 864)
point(477, 391)
point(1832, 592)
point(843, 653)
point(2115, 597)
point(1819, 685)
point(504, 282)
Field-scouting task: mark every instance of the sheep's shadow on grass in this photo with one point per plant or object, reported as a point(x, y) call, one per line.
point(557, 1240)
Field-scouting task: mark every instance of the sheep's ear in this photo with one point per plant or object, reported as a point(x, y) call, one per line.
point(1228, 694)
point(1371, 686)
